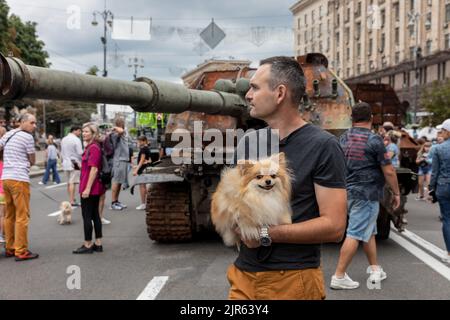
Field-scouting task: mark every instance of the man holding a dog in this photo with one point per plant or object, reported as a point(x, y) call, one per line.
point(285, 263)
point(18, 157)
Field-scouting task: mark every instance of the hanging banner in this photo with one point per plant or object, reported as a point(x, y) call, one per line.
point(131, 29)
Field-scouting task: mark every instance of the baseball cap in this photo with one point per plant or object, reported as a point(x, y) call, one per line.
point(446, 125)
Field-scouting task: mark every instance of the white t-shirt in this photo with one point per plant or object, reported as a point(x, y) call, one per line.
point(71, 149)
point(16, 165)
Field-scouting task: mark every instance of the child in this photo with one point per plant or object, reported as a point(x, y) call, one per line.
point(142, 162)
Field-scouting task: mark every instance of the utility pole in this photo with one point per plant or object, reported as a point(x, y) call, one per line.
point(414, 22)
point(135, 63)
point(108, 18)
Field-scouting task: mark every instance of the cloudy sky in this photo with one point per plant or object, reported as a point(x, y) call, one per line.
point(175, 46)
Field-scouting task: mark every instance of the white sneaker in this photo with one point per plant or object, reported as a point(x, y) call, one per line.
point(2, 240)
point(446, 258)
point(343, 283)
point(376, 276)
point(141, 207)
point(41, 183)
point(104, 221)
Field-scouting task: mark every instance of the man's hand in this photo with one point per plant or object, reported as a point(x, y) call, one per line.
point(252, 244)
point(396, 202)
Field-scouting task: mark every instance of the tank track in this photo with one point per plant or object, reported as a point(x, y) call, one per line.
point(168, 212)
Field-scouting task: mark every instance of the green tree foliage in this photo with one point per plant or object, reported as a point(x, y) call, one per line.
point(21, 39)
point(436, 100)
point(4, 27)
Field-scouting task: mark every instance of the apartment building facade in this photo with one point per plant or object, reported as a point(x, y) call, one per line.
point(379, 41)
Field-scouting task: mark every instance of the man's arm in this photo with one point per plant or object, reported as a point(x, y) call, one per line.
point(329, 227)
point(391, 178)
point(32, 158)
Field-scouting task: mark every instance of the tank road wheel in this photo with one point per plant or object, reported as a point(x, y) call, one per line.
point(383, 224)
point(168, 212)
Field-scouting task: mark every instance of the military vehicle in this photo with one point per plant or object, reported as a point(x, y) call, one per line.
point(180, 189)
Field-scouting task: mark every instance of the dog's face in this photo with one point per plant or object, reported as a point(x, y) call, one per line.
point(266, 174)
point(66, 207)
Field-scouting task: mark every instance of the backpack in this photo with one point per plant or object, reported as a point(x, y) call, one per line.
point(105, 174)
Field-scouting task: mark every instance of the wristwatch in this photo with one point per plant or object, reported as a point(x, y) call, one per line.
point(264, 237)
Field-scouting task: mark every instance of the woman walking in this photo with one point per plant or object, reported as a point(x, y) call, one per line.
point(424, 161)
point(91, 188)
point(52, 161)
point(440, 183)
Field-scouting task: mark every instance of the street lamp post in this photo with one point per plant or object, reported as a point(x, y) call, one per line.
point(414, 22)
point(107, 21)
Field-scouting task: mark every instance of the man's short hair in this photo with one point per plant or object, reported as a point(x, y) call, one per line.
point(24, 117)
point(287, 71)
point(361, 112)
point(120, 122)
point(75, 128)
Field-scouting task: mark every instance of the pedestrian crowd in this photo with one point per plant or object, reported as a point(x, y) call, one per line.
point(92, 165)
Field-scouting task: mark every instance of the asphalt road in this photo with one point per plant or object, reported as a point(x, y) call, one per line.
point(133, 266)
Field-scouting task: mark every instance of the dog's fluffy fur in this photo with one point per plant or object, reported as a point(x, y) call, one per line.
point(251, 195)
point(65, 217)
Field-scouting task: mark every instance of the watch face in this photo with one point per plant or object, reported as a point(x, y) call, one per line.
point(265, 241)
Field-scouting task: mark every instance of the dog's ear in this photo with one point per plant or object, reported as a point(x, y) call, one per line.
point(279, 158)
point(244, 166)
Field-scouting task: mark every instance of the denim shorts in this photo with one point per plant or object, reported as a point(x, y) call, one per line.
point(362, 219)
point(424, 170)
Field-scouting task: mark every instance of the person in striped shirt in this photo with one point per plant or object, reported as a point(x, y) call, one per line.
point(18, 156)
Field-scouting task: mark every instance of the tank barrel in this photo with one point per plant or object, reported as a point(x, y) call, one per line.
point(18, 81)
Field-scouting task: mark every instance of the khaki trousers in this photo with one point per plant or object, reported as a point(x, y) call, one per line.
point(17, 215)
point(307, 284)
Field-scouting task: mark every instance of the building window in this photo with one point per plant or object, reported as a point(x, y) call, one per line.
point(444, 69)
point(447, 41)
point(358, 30)
point(412, 51)
point(411, 4)
point(358, 49)
point(347, 35)
point(383, 18)
point(312, 16)
point(397, 36)
point(397, 11)
point(406, 79)
point(383, 42)
point(320, 12)
point(306, 36)
point(428, 21)
point(337, 38)
point(447, 12)
point(428, 48)
point(306, 20)
point(370, 47)
point(358, 69)
point(397, 57)
point(338, 19)
point(298, 23)
point(320, 29)
point(358, 10)
point(348, 53)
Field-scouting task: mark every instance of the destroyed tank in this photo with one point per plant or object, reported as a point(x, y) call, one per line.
point(181, 185)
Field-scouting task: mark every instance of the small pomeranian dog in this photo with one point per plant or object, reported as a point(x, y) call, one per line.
point(65, 217)
point(252, 195)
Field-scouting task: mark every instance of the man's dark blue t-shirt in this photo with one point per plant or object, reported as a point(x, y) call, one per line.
point(365, 154)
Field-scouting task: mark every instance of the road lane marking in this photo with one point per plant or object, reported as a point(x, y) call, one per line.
point(153, 288)
point(56, 185)
point(424, 244)
point(54, 214)
point(433, 263)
